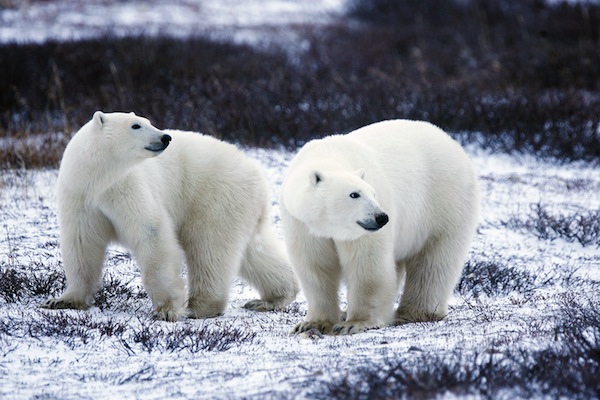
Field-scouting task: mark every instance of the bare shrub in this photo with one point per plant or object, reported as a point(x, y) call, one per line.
point(427, 376)
point(72, 328)
point(525, 74)
point(16, 284)
point(12, 284)
point(493, 278)
point(189, 337)
point(568, 367)
point(583, 228)
point(117, 295)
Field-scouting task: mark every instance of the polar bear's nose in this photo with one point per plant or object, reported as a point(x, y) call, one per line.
point(374, 225)
point(165, 139)
point(381, 219)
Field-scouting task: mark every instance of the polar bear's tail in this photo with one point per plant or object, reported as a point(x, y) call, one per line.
point(267, 268)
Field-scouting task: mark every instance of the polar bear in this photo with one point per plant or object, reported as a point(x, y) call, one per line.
point(390, 203)
point(158, 193)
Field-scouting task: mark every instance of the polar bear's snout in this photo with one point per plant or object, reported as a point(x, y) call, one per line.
point(160, 146)
point(376, 223)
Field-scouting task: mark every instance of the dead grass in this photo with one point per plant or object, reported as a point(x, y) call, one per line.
point(583, 228)
point(568, 367)
point(524, 73)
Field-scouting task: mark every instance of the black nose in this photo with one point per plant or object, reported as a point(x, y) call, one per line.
point(165, 139)
point(381, 219)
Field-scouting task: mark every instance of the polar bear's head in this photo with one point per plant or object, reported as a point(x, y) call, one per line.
point(338, 204)
point(129, 136)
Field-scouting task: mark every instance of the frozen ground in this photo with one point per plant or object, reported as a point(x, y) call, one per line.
point(118, 351)
point(535, 257)
point(249, 21)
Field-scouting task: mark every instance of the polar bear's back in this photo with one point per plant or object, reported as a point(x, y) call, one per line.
point(198, 169)
point(417, 149)
point(405, 139)
point(197, 149)
point(205, 160)
point(430, 174)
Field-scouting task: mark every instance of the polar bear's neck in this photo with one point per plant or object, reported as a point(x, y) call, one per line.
point(88, 169)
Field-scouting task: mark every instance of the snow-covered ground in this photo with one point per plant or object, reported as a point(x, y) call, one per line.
point(118, 351)
point(43, 354)
point(248, 21)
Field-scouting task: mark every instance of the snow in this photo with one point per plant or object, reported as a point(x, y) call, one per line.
point(274, 363)
point(248, 21)
point(268, 362)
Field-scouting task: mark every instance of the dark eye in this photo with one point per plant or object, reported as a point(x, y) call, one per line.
point(354, 195)
point(135, 126)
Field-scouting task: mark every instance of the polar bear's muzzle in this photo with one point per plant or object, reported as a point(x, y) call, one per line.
point(376, 223)
point(159, 146)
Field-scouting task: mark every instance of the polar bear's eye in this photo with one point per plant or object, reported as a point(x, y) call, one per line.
point(136, 126)
point(354, 195)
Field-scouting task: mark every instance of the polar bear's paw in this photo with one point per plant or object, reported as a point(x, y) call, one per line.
point(202, 308)
point(168, 313)
point(321, 326)
point(352, 327)
point(405, 315)
point(64, 304)
point(264, 305)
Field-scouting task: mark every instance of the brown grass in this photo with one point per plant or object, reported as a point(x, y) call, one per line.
point(526, 74)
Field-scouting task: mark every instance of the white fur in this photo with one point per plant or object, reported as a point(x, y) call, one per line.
point(417, 175)
point(201, 195)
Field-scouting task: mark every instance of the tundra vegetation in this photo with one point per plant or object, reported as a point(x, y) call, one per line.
point(517, 82)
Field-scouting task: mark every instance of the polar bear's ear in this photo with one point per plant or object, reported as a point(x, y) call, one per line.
point(360, 173)
point(315, 178)
point(99, 118)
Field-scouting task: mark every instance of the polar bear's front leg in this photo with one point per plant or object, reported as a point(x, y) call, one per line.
point(83, 242)
point(149, 233)
point(430, 280)
point(320, 282)
point(370, 275)
point(214, 254)
point(317, 266)
point(160, 261)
